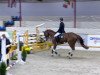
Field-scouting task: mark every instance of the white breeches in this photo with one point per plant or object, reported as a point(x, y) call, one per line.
point(57, 34)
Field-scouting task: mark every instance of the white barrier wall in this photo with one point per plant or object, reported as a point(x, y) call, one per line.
point(75, 30)
point(55, 24)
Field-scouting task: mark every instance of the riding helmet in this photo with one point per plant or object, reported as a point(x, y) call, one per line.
point(61, 19)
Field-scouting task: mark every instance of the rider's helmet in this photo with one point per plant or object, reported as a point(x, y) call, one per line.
point(61, 19)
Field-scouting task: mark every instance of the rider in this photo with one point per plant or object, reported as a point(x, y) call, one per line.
point(61, 28)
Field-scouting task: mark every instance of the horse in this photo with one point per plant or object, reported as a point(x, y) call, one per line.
point(70, 38)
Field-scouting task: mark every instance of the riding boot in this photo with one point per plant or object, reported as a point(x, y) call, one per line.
point(57, 39)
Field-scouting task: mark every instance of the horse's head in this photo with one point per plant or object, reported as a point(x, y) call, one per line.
point(48, 34)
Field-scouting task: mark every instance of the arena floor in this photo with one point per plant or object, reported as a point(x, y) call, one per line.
point(41, 63)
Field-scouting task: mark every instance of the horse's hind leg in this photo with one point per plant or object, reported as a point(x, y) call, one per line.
point(54, 49)
point(72, 45)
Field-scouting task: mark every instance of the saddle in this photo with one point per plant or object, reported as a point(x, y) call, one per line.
point(58, 38)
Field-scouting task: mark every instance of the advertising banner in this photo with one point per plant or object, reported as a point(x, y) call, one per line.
point(93, 40)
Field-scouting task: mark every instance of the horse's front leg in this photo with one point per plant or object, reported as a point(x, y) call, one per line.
point(54, 51)
point(70, 54)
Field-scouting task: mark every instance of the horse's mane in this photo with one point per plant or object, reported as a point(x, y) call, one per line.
point(50, 30)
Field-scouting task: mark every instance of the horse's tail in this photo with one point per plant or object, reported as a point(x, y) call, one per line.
point(82, 42)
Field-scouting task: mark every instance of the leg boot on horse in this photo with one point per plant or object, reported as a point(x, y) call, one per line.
point(54, 49)
point(72, 45)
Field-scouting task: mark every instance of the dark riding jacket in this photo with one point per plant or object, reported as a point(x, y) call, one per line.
point(61, 28)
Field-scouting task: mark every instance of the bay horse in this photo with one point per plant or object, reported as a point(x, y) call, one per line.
point(70, 38)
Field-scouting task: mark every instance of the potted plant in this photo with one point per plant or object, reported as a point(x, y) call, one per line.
point(27, 49)
point(24, 55)
point(3, 68)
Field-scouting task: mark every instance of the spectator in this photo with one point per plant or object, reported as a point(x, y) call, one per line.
point(8, 43)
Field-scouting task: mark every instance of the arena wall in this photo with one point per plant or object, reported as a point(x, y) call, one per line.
point(75, 30)
point(55, 24)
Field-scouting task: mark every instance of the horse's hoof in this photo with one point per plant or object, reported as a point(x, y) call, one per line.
point(52, 55)
point(69, 57)
point(69, 53)
point(58, 54)
point(52, 51)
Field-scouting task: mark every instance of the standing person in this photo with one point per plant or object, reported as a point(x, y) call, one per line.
point(61, 29)
point(8, 43)
point(21, 44)
point(5, 45)
point(0, 50)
